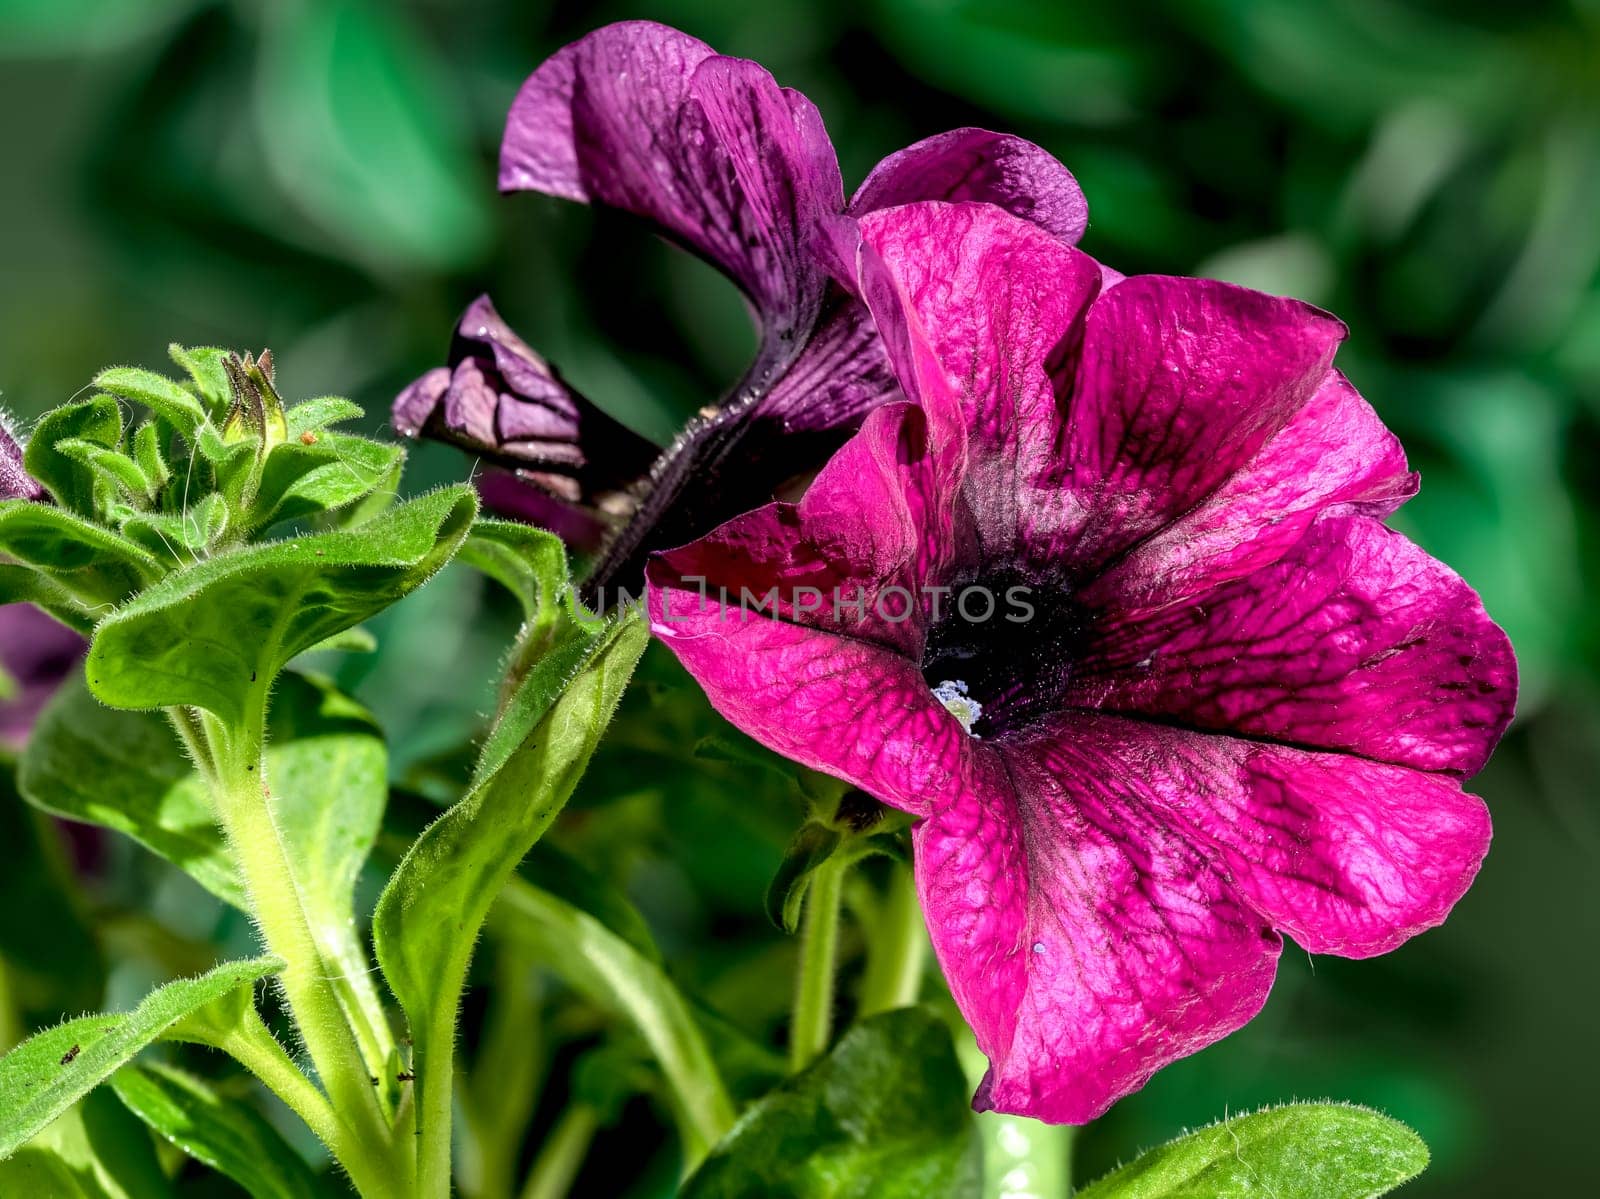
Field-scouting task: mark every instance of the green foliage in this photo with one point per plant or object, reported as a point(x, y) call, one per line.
point(216, 1129)
point(126, 771)
point(883, 1116)
point(52, 1070)
point(216, 634)
point(1299, 1151)
point(351, 106)
point(95, 1150)
point(441, 892)
point(52, 961)
point(596, 942)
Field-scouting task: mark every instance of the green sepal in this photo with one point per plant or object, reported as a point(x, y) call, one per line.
point(52, 1070)
point(170, 402)
point(813, 845)
point(203, 365)
point(1298, 1151)
point(180, 537)
point(96, 420)
point(113, 466)
point(338, 470)
point(147, 453)
point(215, 634)
point(315, 415)
point(883, 1115)
point(218, 1130)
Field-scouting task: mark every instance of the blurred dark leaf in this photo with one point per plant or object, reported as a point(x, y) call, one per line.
point(883, 1116)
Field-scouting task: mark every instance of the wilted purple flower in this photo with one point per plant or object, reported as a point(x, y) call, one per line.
point(1114, 615)
point(720, 159)
point(15, 482)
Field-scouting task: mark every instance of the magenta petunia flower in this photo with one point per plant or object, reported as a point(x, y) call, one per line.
point(721, 159)
point(1112, 612)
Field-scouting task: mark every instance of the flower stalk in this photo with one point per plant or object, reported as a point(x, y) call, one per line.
point(812, 1025)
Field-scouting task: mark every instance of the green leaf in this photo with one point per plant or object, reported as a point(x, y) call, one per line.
point(147, 453)
point(813, 845)
point(616, 966)
point(24, 585)
point(180, 537)
point(224, 1134)
point(97, 420)
point(95, 1150)
point(51, 958)
point(97, 567)
point(351, 102)
point(528, 562)
point(126, 771)
point(215, 635)
point(883, 1116)
point(313, 416)
point(49, 1072)
point(302, 480)
point(203, 364)
point(156, 392)
point(1299, 1151)
point(113, 466)
point(438, 897)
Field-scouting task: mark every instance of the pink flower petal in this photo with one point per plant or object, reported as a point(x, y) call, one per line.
point(1334, 455)
point(1086, 940)
point(977, 165)
point(1354, 640)
point(988, 300)
point(1178, 385)
point(834, 703)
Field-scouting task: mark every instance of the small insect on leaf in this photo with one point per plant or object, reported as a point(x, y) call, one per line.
point(406, 1076)
point(308, 438)
point(69, 1055)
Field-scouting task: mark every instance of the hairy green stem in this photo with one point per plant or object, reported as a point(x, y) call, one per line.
point(310, 980)
point(812, 1026)
point(561, 1156)
point(897, 948)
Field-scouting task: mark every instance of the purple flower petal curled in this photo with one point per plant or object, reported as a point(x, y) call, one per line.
point(503, 402)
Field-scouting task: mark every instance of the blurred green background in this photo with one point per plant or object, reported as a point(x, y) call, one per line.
point(319, 178)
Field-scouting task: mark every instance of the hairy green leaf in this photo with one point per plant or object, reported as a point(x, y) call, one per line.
point(439, 896)
point(334, 472)
point(315, 415)
point(94, 565)
point(158, 393)
point(49, 1072)
point(216, 634)
point(97, 420)
point(95, 1150)
point(126, 771)
point(1299, 1151)
point(883, 1116)
point(225, 1134)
